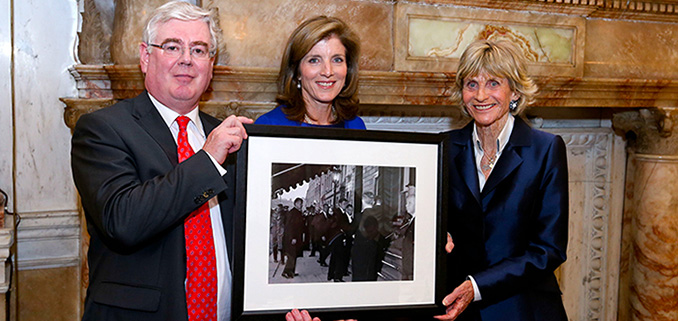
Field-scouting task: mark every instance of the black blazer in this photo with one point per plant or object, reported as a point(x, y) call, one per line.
point(513, 235)
point(135, 196)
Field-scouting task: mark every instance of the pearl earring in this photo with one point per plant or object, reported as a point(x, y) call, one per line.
point(299, 84)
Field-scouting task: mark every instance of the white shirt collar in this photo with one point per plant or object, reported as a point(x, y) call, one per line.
point(170, 116)
point(502, 139)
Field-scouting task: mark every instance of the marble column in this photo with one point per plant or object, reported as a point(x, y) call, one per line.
point(649, 265)
point(128, 25)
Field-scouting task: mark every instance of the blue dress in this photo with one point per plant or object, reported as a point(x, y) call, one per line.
point(277, 117)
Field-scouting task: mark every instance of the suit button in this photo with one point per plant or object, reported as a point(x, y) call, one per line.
point(198, 199)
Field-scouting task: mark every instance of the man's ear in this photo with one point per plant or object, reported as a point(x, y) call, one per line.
point(144, 55)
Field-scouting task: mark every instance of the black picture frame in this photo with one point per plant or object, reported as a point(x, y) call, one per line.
point(257, 297)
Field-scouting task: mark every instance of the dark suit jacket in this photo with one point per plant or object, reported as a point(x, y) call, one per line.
point(513, 235)
point(135, 196)
point(294, 230)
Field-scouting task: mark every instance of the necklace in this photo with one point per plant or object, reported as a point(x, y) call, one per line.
point(490, 163)
point(308, 120)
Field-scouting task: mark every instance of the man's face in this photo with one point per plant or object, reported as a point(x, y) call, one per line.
point(177, 82)
point(299, 204)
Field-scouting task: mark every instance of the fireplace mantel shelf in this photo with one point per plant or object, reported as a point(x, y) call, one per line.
point(252, 91)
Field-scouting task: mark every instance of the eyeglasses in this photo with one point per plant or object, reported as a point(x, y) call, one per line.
point(174, 50)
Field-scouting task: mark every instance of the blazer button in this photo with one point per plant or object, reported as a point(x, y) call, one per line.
point(197, 200)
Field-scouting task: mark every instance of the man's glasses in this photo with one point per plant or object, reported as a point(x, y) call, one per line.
point(174, 50)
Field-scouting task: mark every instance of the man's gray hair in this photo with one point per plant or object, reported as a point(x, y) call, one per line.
point(183, 11)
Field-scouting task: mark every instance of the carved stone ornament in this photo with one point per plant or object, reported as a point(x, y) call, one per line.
point(649, 131)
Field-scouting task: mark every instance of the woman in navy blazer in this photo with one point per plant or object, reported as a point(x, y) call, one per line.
point(508, 196)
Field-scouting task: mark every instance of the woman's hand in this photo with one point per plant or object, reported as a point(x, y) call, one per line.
point(303, 315)
point(457, 301)
point(450, 244)
point(296, 315)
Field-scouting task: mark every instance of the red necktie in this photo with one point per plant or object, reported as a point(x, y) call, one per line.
point(201, 266)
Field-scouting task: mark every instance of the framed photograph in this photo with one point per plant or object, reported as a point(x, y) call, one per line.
point(343, 223)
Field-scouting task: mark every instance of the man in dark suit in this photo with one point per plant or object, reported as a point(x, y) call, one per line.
point(292, 237)
point(150, 176)
point(337, 243)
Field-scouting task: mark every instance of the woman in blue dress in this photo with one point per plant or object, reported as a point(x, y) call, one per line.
point(318, 80)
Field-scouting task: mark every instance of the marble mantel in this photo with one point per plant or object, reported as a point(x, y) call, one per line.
point(251, 91)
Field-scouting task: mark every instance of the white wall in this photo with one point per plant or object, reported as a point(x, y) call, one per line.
point(5, 101)
point(44, 41)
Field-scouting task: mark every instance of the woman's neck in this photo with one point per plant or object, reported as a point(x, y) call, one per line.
point(319, 115)
point(488, 134)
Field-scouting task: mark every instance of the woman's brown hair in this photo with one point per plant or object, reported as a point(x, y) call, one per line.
point(301, 41)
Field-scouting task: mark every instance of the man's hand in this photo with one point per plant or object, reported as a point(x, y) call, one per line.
point(450, 244)
point(457, 301)
point(226, 138)
point(294, 241)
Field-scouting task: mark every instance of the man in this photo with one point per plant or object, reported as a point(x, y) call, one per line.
point(370, 245)
point(322, 223)
point(338, 243)
point(292, 237)
point(404, 230)
point(277, 227)
point(152, 187)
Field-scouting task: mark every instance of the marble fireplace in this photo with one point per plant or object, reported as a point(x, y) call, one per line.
point(614, 102)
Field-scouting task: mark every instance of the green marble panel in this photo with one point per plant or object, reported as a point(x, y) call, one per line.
point(438, 38)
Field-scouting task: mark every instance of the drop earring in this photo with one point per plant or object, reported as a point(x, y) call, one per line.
point(299, 84)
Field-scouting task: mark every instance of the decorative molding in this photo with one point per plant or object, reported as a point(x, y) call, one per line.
point(650, 131)
point(6, 241)
point(648, 10)
point(252, 91)
point(48, 239)
point(595, 148)
point(76, 107)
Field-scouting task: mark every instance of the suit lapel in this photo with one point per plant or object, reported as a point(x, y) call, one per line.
point(510, 158)
point(151, 121)
point(207, 124)
point(464, 160)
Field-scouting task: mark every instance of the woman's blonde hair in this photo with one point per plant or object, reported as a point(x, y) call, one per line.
point(499, 59)
point(301, 41)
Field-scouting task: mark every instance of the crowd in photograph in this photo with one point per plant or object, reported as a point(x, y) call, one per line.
point(351, 245)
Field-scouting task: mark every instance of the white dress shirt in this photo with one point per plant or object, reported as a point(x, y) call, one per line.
point(196, 138)
point(502, 140)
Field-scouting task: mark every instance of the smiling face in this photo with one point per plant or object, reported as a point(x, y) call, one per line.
point(323, 72)
point(487, 98)
point(177, 82)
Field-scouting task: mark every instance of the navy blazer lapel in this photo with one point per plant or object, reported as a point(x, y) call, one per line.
point(150, 120)
point(465, 160)
point(510, 158)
